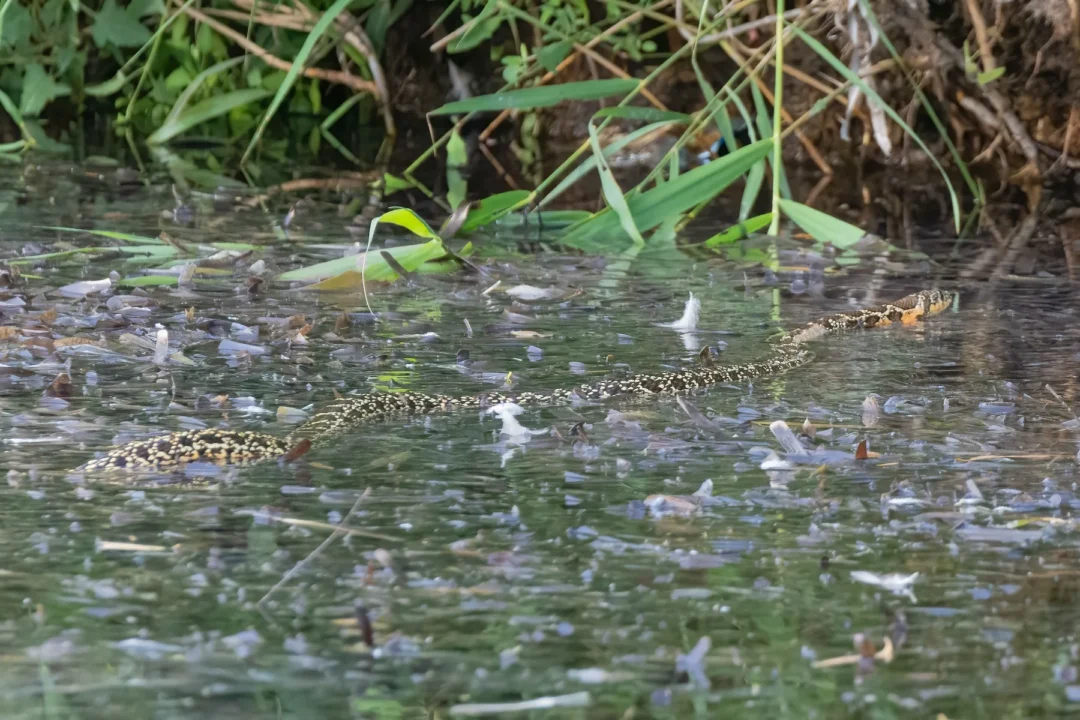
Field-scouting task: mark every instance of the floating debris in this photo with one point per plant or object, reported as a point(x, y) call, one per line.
point(896, 583)
point(689, 320)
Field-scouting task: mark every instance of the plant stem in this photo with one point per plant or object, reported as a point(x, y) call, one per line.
point(778, 118)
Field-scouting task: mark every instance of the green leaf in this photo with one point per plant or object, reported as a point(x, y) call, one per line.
point(822, 226)
point(492, 208)
point(754, 178)
point(109, 87)
point(208, 109)
point(142, 8)
point(148, 281)
point(488, 21)
point(126, 237)
point(551, 55)
point(403, 217)
point(740, 231)
point(344, 273)
point(613, 194)
point(18, 26)
point(298, 62)
point(985, 78)
point(38, 90)
point(535, 97)
point(119, 27)
point(651, 208)
point(192, 85)
point(549, 219)
point(646, 114)
point(392, 184)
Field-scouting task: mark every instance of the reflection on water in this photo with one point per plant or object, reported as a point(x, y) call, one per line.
point(637, 559)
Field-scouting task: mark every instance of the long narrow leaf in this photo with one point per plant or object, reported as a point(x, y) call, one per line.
point(589, 163)
point(185, 97)
point(854, 79)
point(208, 109)
point(298, 63)
point(645, 114)
point(927, 105)
point(822, 226)
point(740, 231)
point(675, 197)
point(613, 194)
point(535, 97)
point(126, 237)
point(491, 209)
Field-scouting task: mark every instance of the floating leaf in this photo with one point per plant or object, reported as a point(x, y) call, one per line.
point(126, 237)
point(149, 281)
point(410, 257)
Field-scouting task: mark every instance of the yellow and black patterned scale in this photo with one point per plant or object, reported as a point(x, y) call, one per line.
point(240, 447)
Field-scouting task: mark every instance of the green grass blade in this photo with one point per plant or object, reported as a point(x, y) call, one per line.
point(613, 194)
point(926, 104)
point(754, 180)
point(854, 79)
point(675, 197)
point(13, 110)
point(536, 97)
point(822, 226)
point(589, 163)
point(208, 109)
point(185, 97)
point(549, 220)
point(645, 114)
point(298, 63)
point(126, 237)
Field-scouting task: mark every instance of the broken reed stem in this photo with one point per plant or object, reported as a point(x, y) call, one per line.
point(338, 531)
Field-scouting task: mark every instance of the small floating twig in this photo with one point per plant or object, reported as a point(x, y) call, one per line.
point(339, 530)
point(578, 699)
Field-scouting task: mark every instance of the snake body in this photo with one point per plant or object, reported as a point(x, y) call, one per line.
point(344, 414)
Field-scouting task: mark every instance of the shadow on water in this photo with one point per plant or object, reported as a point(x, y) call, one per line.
point(577, 563)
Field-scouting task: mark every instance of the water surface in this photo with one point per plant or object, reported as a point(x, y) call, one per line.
point(487, 569)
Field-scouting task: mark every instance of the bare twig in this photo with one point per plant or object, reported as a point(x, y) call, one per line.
point(339, 530)
point(979, 23)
